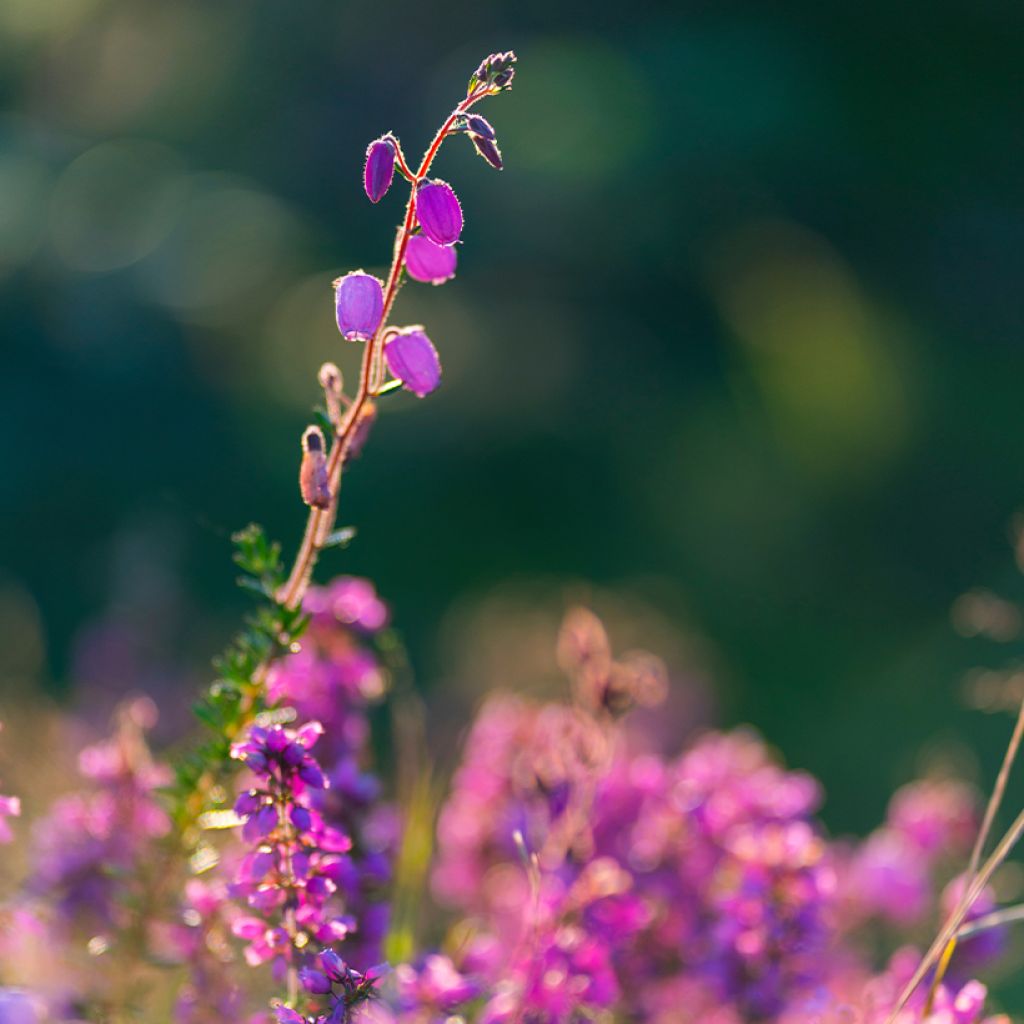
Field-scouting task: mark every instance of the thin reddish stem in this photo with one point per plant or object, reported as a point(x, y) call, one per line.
point(321, 521)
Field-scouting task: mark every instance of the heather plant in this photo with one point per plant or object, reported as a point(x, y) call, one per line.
point(579, 873)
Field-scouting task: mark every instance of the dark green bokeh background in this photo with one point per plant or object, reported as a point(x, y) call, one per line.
point(738, 330)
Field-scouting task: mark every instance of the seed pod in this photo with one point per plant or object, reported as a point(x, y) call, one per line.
point(429, 262)
point(359, 305)
point(379, 169)
point(439, 212)
point(488, 149)
point(313, 482)
point(412, 358)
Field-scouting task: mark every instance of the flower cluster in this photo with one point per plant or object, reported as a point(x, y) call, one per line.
point(695, 888)
point(335, 983)
point(335, 678)
point(893, 874)
point(426, 244)
point(858, 998)
point(591, 878)
point(710, 865)
point(290, 875)
point(88, 850)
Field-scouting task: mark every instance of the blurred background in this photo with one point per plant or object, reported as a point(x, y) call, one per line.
point(734, 348)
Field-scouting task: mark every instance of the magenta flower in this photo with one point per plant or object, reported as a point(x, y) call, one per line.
point(379, 169)
point(429, 262)
point(359, 305)
point(412, 358)
point(439, 212)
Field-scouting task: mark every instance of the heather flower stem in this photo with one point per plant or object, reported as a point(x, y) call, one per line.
point(956, 919)
point(998, 918)
point(288, 879)
point(991, 810)
point(321, 521)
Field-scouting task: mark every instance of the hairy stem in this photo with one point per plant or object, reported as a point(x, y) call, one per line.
point(321, 521)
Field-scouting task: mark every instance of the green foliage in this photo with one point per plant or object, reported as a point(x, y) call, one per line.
point(236, 696)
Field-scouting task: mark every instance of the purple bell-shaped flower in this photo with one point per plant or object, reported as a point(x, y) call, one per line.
point(412, 358)
point(439, 212)
point(429, 262)
point(379, 169)
point(359, 304)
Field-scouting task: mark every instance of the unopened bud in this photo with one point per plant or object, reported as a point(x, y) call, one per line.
point(361, 430)
point(379, 169)
point(480, 126)
point(314, 484)
point(495, 72)
point(331, 381)
point(488, 149)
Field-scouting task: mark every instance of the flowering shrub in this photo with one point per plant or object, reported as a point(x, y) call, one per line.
point(267, 873)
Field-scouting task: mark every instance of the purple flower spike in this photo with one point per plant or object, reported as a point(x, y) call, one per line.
point(379, 169)
point(412, 358)
point(359, 304)
point(429, 262)
point(439, 212)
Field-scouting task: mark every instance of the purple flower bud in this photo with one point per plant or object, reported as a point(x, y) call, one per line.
point(359, 304)
point(301, 818)
point(488, 149)
point(335, 967)
point(439, 212)
point(247, 803)
point(429, 262)
point(495, 72)
point(293, 754)
point(314, 981)
point(310, 773)
point(314, 484)
point(286, 1015)
point(379, 169)
point(480, 126)
point(261, 864)
point(277, 740)
point(412, 358)
point(320, 888)
point(266, 820)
